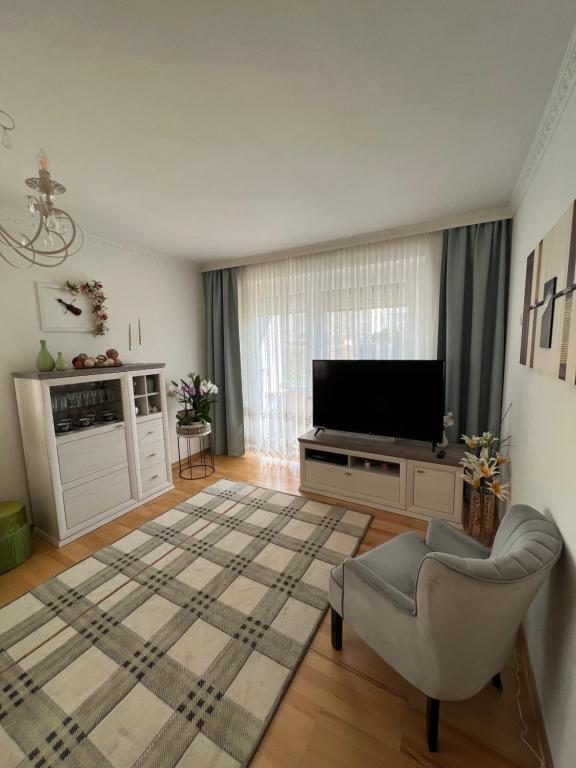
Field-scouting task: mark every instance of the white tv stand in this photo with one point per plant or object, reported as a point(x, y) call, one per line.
point(400, 476)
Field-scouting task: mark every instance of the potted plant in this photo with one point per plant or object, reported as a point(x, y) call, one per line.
point(483, 464)
point(197, 395)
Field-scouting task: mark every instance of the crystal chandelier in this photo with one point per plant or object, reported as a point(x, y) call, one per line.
point(7, 124)
point(54, 234)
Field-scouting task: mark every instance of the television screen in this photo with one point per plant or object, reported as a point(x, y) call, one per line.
point(392, 398)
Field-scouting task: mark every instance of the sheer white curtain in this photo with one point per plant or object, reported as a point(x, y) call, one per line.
point(368, 302)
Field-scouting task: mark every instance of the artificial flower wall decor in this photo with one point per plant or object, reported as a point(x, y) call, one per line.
point(94, 291)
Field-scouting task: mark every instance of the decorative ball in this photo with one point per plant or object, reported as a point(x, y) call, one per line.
point(117, 361)
point(113, 353)
point(101, 358)
point(89, 362)
point(78, 363)
point(82, 356)
point(110, 361)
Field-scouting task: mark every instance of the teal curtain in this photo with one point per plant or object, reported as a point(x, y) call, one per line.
point(223, 358)
point(472, 323)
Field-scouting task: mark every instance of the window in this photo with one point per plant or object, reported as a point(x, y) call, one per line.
point(376, 301)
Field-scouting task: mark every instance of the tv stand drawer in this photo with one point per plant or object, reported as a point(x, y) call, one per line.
point(355, 482)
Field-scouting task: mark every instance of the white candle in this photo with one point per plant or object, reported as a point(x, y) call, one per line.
point(139, 332)
point(130, 336)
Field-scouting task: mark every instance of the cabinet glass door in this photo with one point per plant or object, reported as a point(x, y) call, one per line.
point(83, 406)
point(147, 399)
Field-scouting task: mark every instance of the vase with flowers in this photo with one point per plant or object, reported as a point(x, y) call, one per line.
point(197, 395)
point(483, 463)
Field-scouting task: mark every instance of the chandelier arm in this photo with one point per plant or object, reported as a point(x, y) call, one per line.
point(8, 237)
point(30, 261)
point(53, 252)
point(80, 235)
point(33, 260)
point(61, 255)
point(11, 125)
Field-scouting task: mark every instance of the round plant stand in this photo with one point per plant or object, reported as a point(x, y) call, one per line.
point(199, 465)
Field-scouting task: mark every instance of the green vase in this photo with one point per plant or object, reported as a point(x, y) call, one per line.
point(60, 362)
point(44, 362)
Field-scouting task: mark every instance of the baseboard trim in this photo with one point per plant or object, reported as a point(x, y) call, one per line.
point(527, 677)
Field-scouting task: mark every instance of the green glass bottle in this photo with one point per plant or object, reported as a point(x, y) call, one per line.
point(60, 362)
point(44, 362)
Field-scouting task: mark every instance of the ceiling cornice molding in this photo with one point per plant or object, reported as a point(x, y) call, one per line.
point(409, 230)
point(103, 242)
point(561, 92)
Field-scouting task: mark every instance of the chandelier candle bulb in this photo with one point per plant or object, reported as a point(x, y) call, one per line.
point(43, 160)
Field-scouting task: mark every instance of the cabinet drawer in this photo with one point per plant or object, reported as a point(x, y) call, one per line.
point(152, 477)
point(151, 454)
point(92, 454)
point(434, 490)
point(151, 431)
point(88, 500)
point(381, 486)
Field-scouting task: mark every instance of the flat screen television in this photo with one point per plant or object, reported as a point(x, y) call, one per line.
point(392, 398)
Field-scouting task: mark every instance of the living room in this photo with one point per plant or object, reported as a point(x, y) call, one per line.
point(288, 380)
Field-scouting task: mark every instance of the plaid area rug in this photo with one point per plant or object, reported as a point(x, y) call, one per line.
point(174, 645)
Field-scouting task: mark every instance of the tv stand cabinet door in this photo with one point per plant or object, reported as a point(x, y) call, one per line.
point(433, 491)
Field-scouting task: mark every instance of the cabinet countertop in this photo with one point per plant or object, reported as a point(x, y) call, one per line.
point(402, 449)
point(104, 369)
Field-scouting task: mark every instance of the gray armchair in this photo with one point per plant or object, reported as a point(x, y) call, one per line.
point(444, 612)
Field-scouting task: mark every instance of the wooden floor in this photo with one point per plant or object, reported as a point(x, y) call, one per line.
point(343, 708)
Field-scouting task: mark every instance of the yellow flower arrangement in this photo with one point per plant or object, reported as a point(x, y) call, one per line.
point(482, 464)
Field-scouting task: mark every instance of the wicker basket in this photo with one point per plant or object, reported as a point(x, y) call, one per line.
point(195, 429)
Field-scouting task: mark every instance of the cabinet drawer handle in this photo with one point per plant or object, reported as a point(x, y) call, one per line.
point(348, 473)
point(151, 432)
point(151, 455)
point(154, 477)
point(421, 471)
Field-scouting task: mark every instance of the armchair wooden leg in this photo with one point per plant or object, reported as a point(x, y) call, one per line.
point(497, 681)
point(432, 720)
point(336, 630)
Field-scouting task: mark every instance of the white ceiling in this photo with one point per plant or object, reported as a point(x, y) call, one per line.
point(225, 128)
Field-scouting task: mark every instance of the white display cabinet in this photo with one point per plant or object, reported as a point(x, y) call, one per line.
point(96, 445)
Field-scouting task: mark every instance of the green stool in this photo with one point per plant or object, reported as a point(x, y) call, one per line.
point(15, 539)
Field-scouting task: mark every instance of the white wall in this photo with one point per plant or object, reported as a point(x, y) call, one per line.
point(164, 292)
point(544, 455)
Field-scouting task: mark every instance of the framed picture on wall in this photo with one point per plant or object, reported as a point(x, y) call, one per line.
point(59, 310)
point(547, 323)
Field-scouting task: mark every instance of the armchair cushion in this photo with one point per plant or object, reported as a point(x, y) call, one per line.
point(392, 568)
point(443, 537)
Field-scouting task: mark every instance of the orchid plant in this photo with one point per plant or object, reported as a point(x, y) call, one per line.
point(196, 394)
point(483, 464)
